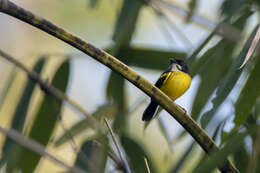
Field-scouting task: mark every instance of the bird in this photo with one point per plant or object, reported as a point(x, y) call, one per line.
point(174, 82)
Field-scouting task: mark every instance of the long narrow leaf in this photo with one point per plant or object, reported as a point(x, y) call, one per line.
point(116, 93)
point(126, 23)
point(91, 157)
point(248, 95)
point(150, 58)
point(103, 111)
point(228, 83)
point(241, 159)
point(10, 148)
point(216, 63)
point(45, 120)
point(163, 129)
point(216, 158)
point(123, 34)
point(184, 157)
point(136, 154)
point(93, 3)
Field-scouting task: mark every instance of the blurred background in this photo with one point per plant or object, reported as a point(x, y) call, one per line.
point(212, 36)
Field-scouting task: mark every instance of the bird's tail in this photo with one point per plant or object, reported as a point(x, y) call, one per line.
point(149, 111)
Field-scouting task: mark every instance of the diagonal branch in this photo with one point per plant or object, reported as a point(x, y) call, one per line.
point(124, 163)
point(51, 89)
point(114, 140)
point(37, 148)
point(177, 112)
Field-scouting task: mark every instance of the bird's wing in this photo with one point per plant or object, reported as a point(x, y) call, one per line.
point(163, 78)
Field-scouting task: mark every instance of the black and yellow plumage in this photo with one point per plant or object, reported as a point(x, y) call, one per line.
point(173, 82)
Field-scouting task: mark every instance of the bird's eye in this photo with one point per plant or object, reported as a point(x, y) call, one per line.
point(178, 67)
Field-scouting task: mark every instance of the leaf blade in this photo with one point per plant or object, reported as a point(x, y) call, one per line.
point(228, 82)
point(136, 154)
point(82, 125)
point(46, 118)
point(248, 95)
point(91, 157)
point(10, 148)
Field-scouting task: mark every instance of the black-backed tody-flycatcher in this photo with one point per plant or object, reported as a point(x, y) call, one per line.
point(173, 82)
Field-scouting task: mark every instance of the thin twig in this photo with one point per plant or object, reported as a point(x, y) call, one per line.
point(74, 146)
point(253, 47)
point(114, 140)
point(225, 30)
point(37, 148)
point(50, 89)
point(159, 12)
point(65, 130)
point(111, 154)
point(166, 33)
point(147, 165)
point(183, 12)
point(124, 164)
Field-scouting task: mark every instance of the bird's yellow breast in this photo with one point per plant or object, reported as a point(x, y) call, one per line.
point(175, 84)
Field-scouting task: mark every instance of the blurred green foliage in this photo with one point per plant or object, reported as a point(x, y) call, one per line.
point(11, 151)
point(92, 157)
point(217, 67)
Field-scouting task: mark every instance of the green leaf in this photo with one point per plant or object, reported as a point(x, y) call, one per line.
point(126, 23)
point(105, 110)
point(219, 129)
point(93, 3)
point(214, 65)
point(115, 87)
point(230, 7)
point(45, 120)
point(183, 158)
point(122, 36)
point(136, 153)
point(257, 108)
point(10, 148)
point(164, 132)
point(241, 159)
point(224, 136)
point(91, 157)
point(217, 158)
point(192, 8)
point(215, 62)
point(228, 82)
point(181, 135)
point(146, 57)
point(252, 120)
point(257, 2)
point(248, 95)
point(195, 53)
point(150, 58)
point(116, 93)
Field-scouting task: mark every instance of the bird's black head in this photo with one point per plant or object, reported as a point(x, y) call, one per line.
point(181, 63)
